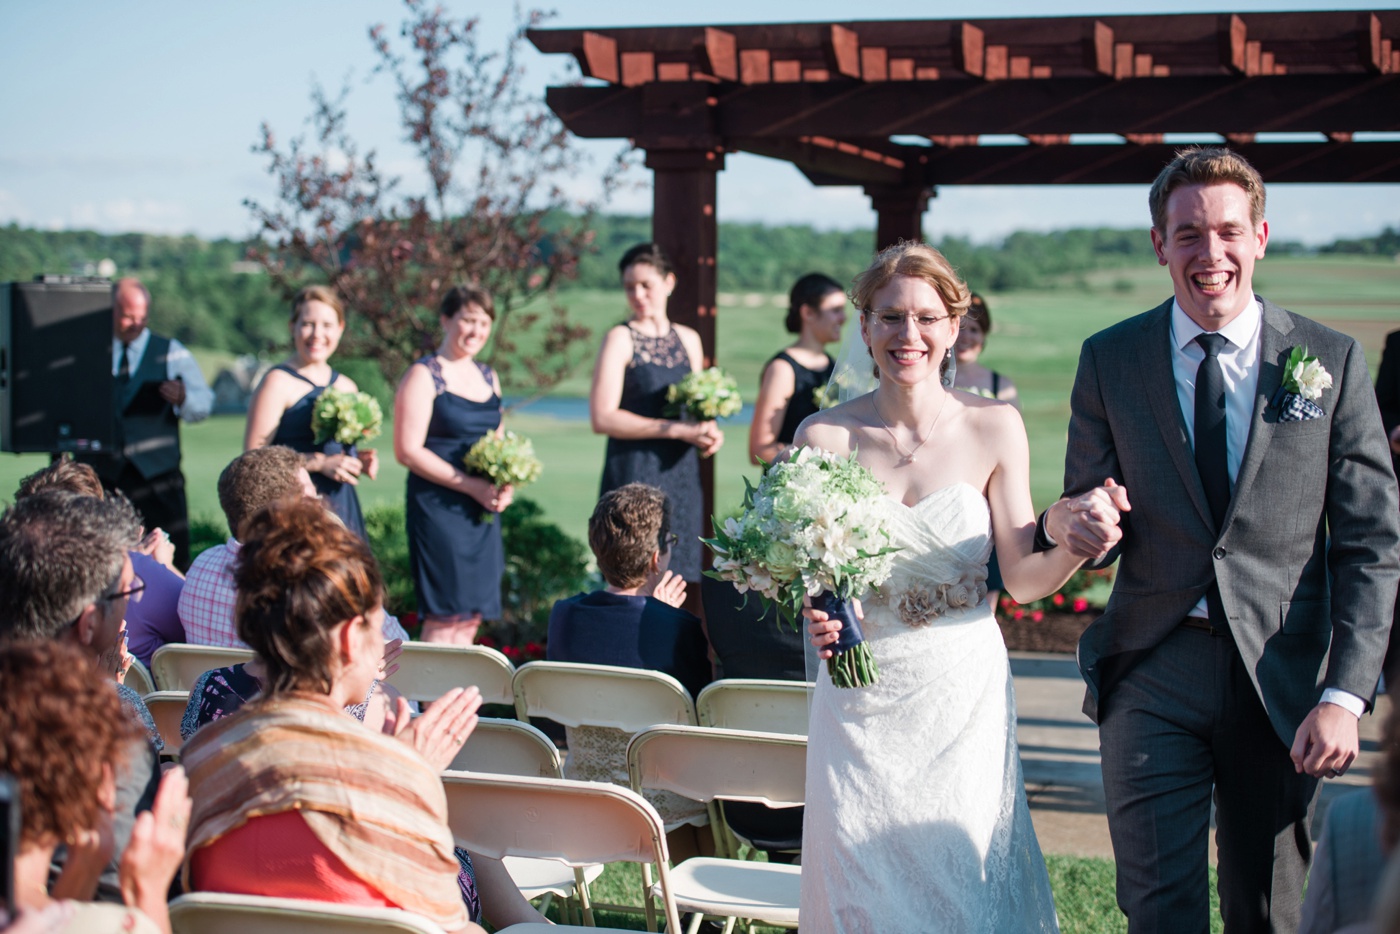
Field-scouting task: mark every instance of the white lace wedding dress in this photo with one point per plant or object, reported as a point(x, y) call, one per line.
point(916, 812)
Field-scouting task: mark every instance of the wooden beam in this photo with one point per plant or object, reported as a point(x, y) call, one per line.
point(1232, 43)
point(901, 69)
point(995, 65)
point(673, 71)
point(638, 68)
point(968, 49)
point(1143, 139)
point(843, 51)
point(1369, 42)
point(1040, 71)
point(754, 67)
point(1252, 52)
point(599, 58)
point(721, 54)
point(1122, 60)
point(787, 71)
point(1020, 66)
point(1098, 49)
point(874, 64)
point(1142, 65)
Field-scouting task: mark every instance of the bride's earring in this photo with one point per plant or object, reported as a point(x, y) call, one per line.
point(950, 369)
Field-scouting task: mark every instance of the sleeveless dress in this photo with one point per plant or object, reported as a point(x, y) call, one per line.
point(805, 383)
point(674, 466)
point(456, 555)
point(994, 579)
point(916, 811)
point(294, 431)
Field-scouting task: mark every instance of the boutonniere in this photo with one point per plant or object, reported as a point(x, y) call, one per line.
point(1304, 381)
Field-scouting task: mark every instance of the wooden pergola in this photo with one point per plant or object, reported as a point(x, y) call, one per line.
point(899, 108)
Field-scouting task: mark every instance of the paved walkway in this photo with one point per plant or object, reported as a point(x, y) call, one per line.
point(1060, 757)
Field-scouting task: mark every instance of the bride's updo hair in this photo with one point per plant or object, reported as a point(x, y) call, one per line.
point(918, 261)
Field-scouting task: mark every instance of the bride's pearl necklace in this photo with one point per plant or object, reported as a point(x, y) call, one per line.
point(909, 455)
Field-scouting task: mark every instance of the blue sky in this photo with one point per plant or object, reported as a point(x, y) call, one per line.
point(124, 115)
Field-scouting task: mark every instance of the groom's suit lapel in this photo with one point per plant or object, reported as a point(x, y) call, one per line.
point(1161, 392)
point(1273, 338)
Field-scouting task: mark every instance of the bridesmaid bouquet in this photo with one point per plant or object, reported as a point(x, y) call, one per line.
point(346, 417)
point(812, 527)
point(705, 396)
point(507, 460)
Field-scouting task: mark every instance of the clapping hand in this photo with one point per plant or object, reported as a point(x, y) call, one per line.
point(439, 733)
point(390, 663)
point(670, 589)
point(1089, 525)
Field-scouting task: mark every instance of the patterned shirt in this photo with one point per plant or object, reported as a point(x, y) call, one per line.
point(206, 603)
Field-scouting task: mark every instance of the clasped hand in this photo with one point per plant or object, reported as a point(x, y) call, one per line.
point(443, 728)
point(1089, 525)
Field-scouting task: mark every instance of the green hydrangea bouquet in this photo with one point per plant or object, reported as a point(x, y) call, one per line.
point(508, 460)
point(346, 417)
point(812, 527)
point(705, 396)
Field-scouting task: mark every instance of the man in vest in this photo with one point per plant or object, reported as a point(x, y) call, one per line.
point(158, 383)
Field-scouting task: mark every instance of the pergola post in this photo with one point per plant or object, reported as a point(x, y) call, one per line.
point(685, 223)
point(899, 212)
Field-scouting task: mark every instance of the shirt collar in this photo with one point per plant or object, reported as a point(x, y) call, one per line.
point(1238, 332)
point(140, 340)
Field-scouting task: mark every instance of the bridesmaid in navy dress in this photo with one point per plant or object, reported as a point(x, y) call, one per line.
point(445, 403)
point(638, 361)
point(816, 313)
point(280, 411)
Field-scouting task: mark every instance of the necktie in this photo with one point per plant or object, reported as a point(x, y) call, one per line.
point(1211, 460)
point(124, 371)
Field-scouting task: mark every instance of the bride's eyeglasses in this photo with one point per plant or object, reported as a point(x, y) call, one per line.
point(895, 320)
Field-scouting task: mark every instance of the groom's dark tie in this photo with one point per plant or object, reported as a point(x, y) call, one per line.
point(1211, 460)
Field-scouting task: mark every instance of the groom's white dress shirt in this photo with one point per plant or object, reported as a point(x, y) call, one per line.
point(1239, 361)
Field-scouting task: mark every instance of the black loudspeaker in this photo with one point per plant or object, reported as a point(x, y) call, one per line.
point(56, 380)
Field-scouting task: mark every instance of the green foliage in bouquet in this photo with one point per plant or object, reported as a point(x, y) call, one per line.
point(346, 417)
point(705, 396)
point(812, 525)
point(505, 460)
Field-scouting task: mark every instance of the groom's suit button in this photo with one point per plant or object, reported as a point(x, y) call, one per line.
point(1218, 553)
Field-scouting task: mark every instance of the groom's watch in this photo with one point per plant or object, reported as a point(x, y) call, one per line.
point(1043, 541)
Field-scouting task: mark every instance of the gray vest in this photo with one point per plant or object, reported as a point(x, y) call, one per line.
point(149, 440)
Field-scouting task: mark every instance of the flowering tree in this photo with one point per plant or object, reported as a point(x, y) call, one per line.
point(493, 211)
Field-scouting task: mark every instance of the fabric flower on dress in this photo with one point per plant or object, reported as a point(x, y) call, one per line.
point(919, 605)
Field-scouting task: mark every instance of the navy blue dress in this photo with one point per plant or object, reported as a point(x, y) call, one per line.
point(673, 466)
point(803, 402)
point(455, 554)
point(294, 431)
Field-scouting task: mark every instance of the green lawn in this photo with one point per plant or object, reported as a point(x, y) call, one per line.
point(1036, 342)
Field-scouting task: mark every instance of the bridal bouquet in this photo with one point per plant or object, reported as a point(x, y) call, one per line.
point(706, 396)
point(812, 527)
point(346, 417)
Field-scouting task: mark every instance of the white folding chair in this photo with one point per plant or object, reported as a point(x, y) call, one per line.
point(138, 678)
point(710, 764)
point(178, 665)
point(429, 670)
point(510, 747)
point(221, 913)
point(577, 823)
point(168, 709)
point(754, 704)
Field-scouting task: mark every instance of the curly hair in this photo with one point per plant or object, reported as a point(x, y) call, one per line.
point(62, 722)
point(298, 573)
point(627, 527)
point(60, 552)
point(255, 479)
point(63, 475)
point(318, 293)
point(1205, 165)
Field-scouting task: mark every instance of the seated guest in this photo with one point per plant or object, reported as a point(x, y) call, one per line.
point(52, 704)
point(294, 799)
point(151, 616)
point(66, 575)
point(749, 640)
point(634, 622)
point(252, 480)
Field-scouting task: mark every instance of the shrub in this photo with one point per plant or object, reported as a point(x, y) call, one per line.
point(543, 564)
point(205, 533)
point(388, 539)
point(1083, 592)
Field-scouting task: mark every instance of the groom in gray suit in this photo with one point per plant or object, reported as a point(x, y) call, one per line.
point(1241, 643)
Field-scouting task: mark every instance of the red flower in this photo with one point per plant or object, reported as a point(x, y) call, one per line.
point(534, 650)
point(487, 642)
point(409, 619)
point(510, 651)
point(1037, 616)
point(1058, 599)
point(1080, 604)
point(1018, 614)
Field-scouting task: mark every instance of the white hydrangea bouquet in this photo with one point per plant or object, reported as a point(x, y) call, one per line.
point(812, 527)
point(505, 460)
point(705, 396)
point(346, 417)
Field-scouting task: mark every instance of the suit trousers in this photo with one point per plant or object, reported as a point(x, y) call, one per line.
point(161, 502)
point(1184, 721)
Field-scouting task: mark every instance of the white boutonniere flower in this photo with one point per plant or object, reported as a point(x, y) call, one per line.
point(1305, 375)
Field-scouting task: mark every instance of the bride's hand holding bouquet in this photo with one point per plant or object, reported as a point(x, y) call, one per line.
point(811, 529)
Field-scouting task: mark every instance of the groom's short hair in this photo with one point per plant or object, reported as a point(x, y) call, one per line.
point(1206, 165)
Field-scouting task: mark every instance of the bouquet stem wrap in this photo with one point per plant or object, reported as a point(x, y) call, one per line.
point(851, 665)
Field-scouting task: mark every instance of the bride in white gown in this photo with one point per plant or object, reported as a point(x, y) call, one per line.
point(916, 813)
